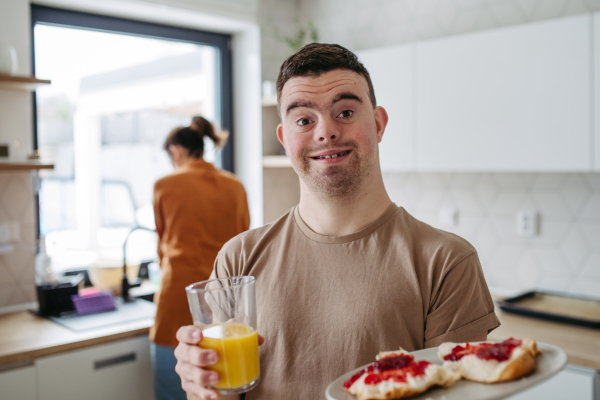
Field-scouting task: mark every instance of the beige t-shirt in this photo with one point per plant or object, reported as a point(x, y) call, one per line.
point(328, 304)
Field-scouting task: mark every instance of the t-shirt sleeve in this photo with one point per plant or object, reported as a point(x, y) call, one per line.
point(217, 271)
point(225, 263)
point(462, 307)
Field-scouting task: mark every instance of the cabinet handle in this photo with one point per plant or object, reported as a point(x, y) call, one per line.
point(17, 365)
point(109, 362)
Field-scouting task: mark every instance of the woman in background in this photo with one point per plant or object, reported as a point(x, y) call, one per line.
point(197, 209)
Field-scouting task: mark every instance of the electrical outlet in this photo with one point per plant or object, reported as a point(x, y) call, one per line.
point(448, 217)
point(527, 223)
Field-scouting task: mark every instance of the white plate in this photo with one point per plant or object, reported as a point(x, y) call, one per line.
point(550, 361)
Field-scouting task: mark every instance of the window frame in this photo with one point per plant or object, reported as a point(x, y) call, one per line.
point(96, 22)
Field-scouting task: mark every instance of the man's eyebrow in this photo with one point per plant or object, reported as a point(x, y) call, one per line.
point(346, 96)
point(309, 104)
point(299, 103)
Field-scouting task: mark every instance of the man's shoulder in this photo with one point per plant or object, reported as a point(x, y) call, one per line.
point(253, 239)
point(431, 239)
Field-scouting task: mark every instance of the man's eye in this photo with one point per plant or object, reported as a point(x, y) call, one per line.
point(346, 113)
point(303, 121)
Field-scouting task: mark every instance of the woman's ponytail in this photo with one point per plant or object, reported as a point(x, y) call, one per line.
point(192, 137)
point(205, 128)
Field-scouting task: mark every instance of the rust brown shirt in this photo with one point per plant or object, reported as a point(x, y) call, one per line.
point(197, 209)
point(328, 304)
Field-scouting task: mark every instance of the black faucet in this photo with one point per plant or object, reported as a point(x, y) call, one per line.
point(125, 285)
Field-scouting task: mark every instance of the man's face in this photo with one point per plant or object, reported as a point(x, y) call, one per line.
point(330, 130)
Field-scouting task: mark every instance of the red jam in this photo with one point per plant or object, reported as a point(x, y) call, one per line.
point(395, 362)
point(372, 379)
point(395, 367)
point(357, 375)
point(486, 351)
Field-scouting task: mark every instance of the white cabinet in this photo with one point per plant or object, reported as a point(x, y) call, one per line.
point(511, 99)
point(573, 382)
point(118, 371)
point(391, 71)
point(18, 382)
point(596, 140)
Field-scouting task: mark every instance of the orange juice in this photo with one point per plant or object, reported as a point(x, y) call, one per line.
point(237, 345)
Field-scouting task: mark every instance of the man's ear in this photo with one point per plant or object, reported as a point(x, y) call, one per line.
point(381, 120)
point(280, 136)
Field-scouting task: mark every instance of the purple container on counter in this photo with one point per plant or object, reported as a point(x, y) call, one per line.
point(94, 303)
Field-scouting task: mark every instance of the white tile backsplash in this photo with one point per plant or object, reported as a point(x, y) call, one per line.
point(575, 249)
point(591, 268)
point(565, 255)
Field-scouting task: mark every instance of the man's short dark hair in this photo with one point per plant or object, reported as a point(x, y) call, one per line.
point(318, 58)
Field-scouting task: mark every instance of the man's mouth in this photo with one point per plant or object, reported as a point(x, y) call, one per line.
point(343, 153)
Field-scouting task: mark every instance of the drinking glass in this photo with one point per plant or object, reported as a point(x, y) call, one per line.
point(225, 309)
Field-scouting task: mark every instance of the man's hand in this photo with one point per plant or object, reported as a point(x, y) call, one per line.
point(192, 360)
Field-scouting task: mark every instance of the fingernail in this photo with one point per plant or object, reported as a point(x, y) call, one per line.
point(212, 356)
point(195, 335)
point(213, 378)
point(212, 397)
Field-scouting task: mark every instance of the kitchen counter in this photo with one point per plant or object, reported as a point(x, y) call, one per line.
point(25, 336)
point(581, 344)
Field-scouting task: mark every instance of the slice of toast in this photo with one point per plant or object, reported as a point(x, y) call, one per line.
point(488, 364)
point(399, 383)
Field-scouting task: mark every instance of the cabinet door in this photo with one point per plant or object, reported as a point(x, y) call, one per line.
point(117, 371)
point(511, 99)
point(391, 71)
point(597, 91)
point(18, 383)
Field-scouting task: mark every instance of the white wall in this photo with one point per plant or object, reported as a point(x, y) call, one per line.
point(16, 194)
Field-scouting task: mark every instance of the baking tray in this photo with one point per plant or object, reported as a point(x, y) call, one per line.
point(555, 306)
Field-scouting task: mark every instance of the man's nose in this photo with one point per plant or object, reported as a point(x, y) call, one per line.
point(326, 131)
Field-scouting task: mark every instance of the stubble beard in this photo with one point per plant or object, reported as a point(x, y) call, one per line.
point(336, 181)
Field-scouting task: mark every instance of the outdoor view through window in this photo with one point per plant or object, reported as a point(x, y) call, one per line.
point(103, 120)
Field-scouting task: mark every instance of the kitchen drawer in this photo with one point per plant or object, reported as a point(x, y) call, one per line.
point(17, 382)
point(118, 371)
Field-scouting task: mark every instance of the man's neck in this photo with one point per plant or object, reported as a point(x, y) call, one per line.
point(345, 215)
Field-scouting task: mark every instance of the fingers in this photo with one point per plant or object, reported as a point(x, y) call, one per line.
point(199, 376)
point(196, 355)
point(261, 340)
point(189, 334)
point(201, 392)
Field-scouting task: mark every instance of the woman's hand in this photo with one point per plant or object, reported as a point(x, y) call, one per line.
point(192, 361)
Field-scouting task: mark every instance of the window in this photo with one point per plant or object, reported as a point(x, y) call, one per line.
point(118, 88)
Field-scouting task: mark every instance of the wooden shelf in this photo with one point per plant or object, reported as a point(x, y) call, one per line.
point(269, 101)
point(277, 162)
point(13, 82)
point(24, 165)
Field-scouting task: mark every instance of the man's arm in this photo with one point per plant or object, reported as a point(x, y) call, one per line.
point(463, 309)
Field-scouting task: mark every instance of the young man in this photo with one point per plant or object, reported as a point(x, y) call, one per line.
point(346, 273)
